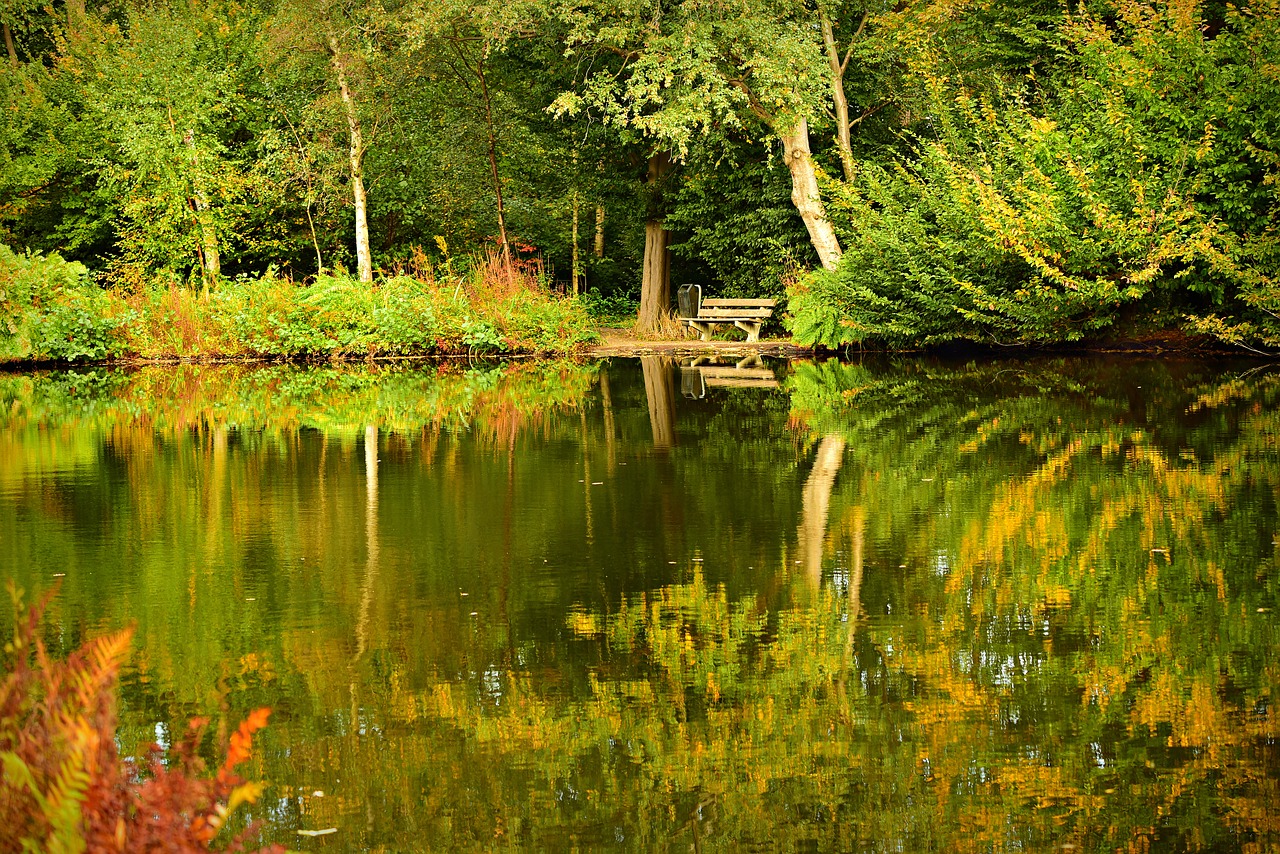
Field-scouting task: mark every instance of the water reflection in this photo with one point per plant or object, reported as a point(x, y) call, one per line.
point(897, 606)
point(659, 389)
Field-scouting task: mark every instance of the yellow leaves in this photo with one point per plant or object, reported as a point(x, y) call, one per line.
point(584, 624)
point(1206, 142)
point(245, 793)
point(1042, 127)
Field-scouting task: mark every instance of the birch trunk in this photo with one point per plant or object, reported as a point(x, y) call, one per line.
point(838, 98)
point(577, 259)
point(804, 193)
point(210, 257)
point(364, 262)
point(598, 247)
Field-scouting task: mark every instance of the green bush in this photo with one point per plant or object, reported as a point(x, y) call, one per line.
point(1056, 214)
point(611, 309)
point(50, 309)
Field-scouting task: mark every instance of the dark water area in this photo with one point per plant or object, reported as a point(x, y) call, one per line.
point(905, 605)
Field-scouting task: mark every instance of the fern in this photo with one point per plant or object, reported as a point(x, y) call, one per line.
point(64, 788)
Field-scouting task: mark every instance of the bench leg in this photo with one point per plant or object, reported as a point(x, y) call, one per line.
point(704, 329)
point(751, 327)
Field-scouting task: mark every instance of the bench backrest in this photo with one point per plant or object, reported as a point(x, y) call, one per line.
point(739, 303)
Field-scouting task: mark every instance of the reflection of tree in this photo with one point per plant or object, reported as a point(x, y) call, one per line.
point(1102, 582)
point(1058, 636)
point(610, 429)
point(492, 399)
point(371, 536)
point(816, 504)
point(660, 391)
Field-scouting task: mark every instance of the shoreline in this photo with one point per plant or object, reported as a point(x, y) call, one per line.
point(618, 343)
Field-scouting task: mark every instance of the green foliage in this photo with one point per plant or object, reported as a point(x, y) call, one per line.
point(736, 211)
point(1048, 219)
point(50, 309)
point(1026, 172)
point(53, 312)
point(609, 310)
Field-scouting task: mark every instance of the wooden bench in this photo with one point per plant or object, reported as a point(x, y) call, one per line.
point(704, 315)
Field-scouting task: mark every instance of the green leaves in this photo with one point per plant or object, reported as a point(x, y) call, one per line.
point(1055, 216)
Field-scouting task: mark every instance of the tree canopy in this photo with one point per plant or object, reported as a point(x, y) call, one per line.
point(1006, 171)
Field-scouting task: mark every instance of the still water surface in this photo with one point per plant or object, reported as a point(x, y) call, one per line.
point(898, 606)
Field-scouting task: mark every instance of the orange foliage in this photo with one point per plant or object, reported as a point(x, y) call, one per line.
point(64, 787)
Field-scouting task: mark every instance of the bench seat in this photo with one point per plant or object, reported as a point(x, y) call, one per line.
point(746, 314)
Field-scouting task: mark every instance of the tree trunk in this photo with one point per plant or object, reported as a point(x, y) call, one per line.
point(815, 503)
point(75, 17)
point(804, 193)
point(577, 257)
point(364, 262)
point(838, 97)
point(655, 283)
point(8, 45)
point(493, 162)
point(598, 248)
point(211, 259)
point(660, 392)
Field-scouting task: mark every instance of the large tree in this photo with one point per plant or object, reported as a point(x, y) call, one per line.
point(681, 69)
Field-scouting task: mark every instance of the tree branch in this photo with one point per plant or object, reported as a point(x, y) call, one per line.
point(870, 111)
point(848, 54)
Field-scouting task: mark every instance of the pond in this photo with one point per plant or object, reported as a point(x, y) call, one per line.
point(899, 605)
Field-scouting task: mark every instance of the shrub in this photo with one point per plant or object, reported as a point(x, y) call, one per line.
point(50, 309)
point(54, 314)
point(1050, 215)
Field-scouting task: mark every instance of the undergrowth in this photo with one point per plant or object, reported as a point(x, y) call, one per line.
point(53, 311)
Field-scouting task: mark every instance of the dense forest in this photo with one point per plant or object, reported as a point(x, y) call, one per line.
point(997, 171)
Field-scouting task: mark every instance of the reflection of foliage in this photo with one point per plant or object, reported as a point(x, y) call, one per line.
point(1104, 593)
point(334, 400)
point(1043, 619)
point(1078, 649)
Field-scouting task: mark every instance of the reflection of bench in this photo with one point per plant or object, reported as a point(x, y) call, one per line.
point(751, 372)
point(705, 314)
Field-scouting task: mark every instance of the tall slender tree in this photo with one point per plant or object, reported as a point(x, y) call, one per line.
point(348, 40)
